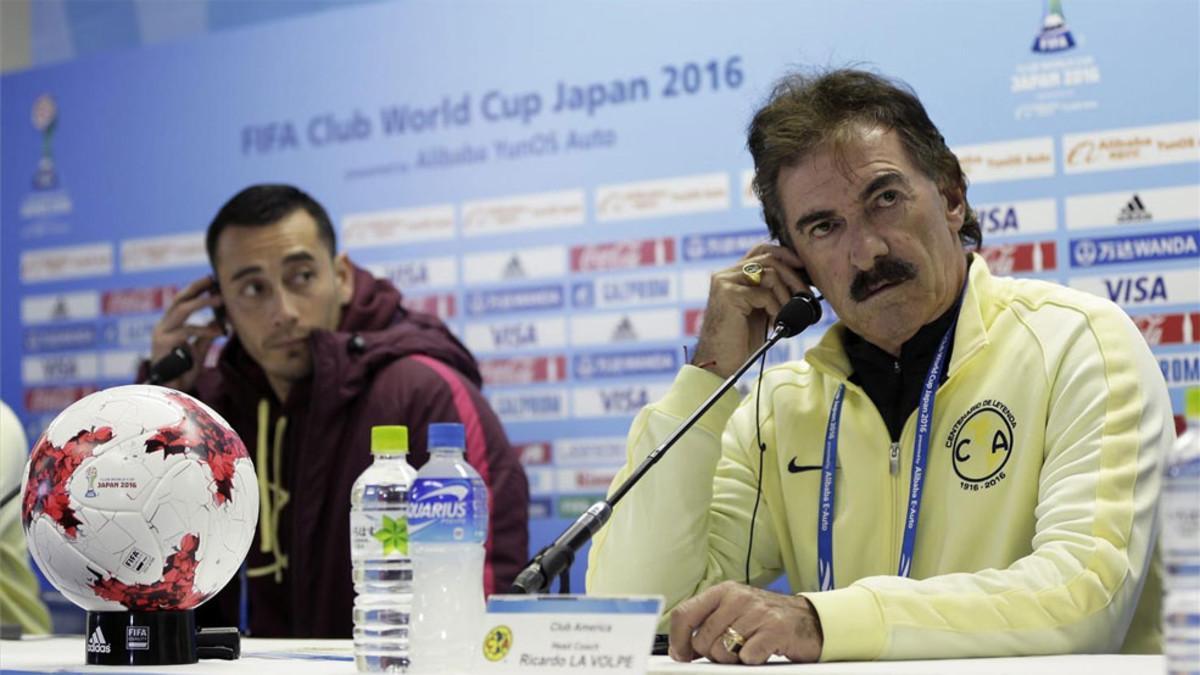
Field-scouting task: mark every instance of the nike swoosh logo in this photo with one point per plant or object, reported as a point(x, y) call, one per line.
point(793, 467)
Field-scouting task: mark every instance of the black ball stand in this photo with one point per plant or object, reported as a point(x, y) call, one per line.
point(155, 639)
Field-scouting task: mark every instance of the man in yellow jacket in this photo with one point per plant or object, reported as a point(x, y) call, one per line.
point(965, 465)
point(20, 600)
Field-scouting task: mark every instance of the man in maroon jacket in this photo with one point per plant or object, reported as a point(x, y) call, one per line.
point(319, 351)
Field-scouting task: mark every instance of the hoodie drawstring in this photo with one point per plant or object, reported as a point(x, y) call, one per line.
point(271, 495)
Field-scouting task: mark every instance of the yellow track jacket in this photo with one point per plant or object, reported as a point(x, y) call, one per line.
point(1036, 537)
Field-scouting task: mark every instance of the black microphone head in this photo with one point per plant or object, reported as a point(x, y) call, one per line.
point(177, 362)
point(802, 311)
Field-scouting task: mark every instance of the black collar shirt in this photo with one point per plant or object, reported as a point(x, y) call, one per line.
point(894, 384)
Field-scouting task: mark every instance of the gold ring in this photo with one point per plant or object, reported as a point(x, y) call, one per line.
point(733, 640)
point(753, 273)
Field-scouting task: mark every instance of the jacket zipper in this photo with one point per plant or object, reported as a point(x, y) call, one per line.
point(895, 510)
point(894, 470)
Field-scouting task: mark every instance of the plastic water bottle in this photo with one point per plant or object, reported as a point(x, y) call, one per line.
point(448, 517)
point(1181, 545)
point(379, 551)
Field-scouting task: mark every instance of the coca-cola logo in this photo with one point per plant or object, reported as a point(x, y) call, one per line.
point(1015, 258)
point(1168, 329)
point(1000, 259)
point(442, 305)
point(593, 479)
point(534, 453)
point(608, 257)
point(507, 371)
point(137, 300)
point(623, 254)
point(1152, 328)
point(54, 399)
point(523, 370)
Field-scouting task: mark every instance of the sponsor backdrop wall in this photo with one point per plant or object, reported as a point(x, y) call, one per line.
point(558, 180)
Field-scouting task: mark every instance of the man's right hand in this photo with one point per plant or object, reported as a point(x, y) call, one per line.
point(738, 312)
point(172, 330)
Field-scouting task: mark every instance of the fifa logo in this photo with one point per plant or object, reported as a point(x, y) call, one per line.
point(1054, 36)
point(91, 479)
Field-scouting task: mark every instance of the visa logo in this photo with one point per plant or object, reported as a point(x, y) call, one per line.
point(63, 367)
point(624, 400)
point(514, 335)
point(1136, 289)
point(412, 274)
point(998, 219)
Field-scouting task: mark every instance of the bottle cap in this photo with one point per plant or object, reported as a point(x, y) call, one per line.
point(446, 435)
point(389, 440)
point(1191, 403)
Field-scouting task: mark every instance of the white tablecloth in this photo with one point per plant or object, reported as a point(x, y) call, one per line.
point(298, 657)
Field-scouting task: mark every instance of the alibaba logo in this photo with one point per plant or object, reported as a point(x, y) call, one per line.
point(1082, 153)
point(494, 215)
point(635, 200)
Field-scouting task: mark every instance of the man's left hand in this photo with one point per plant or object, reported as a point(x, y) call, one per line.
point(771, 624)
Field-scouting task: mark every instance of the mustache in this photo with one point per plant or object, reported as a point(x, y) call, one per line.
point(886, 271)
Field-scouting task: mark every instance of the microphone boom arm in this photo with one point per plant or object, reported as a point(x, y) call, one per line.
point(556, 559)
point(687, 424)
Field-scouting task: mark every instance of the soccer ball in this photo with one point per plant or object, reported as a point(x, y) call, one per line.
point(139, 498)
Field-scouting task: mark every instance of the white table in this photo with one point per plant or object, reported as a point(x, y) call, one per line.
point(298, 657)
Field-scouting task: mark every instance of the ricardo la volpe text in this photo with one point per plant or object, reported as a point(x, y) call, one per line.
point(457, 111)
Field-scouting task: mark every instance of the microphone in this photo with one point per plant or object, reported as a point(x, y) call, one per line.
point(802, 311)
point(171, 366)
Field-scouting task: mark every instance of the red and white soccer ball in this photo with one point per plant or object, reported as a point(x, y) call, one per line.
point(139, 498)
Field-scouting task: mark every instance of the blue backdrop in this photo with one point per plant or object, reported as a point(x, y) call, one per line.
point(557, 179)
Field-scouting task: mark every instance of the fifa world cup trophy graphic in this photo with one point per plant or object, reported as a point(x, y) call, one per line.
point(45, 120)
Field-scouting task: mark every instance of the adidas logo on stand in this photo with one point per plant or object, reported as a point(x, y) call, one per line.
point(1134, 211)
point(96, 644)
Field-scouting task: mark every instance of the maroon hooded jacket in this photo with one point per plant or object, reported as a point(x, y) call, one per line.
point(384, 365)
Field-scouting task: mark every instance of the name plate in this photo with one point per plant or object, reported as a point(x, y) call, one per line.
point(569, 634)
